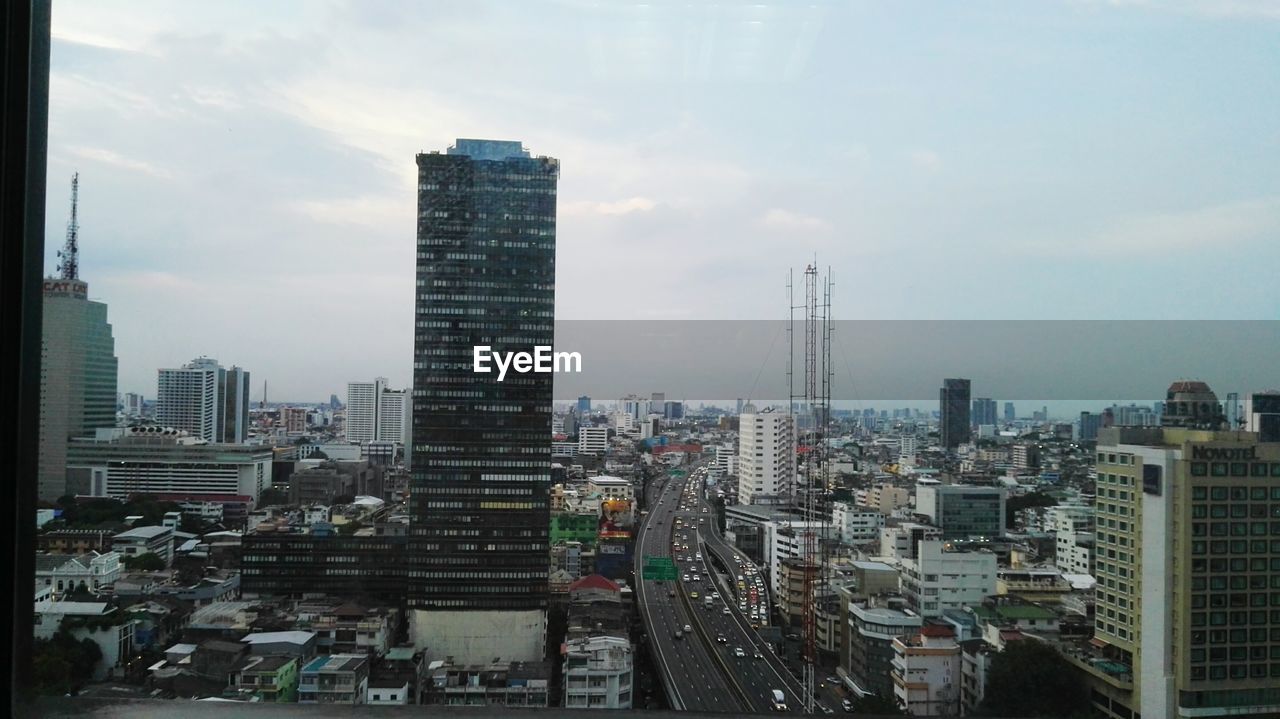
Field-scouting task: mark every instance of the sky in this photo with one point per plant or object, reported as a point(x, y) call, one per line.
point(247, 169)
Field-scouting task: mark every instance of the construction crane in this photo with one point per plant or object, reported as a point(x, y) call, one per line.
point(69, 255)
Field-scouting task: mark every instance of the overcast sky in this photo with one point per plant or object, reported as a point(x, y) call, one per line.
point(247, 168)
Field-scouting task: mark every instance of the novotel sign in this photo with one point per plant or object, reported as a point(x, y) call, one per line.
point(75, 288)
point(1237, 454)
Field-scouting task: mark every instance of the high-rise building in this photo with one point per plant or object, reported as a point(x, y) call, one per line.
point(77, 376)
point(1185, 613)
point(1090, 423)
point(377, 413)
point(984, 411)
point(953, 403)
point(1262, 415)
point(133, 404)
point(480, 481)
point(205, 400)
point(584, 406)
point(1010, 414)
point(767, 453)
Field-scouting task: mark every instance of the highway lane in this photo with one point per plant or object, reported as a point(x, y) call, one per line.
point(759, 671)
point(685, 666)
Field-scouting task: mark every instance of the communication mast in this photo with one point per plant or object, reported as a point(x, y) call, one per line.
point(69, 255)
point(809, 493)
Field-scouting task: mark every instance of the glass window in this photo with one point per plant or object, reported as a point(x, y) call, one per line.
point(1199, 469)
point(1239, 469)
point(1218, 469)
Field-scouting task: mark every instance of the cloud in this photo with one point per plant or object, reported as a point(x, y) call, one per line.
point(1214, 228)
point(61, 33)
point(107, 157)
point(371, 211)
point(617, 207)
point(781, 219)
point(925, 159)
point(1232, 9)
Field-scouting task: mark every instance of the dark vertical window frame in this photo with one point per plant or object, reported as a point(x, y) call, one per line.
point(24, 124)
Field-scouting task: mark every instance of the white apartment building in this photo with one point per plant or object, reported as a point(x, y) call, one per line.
point(187, 398)
point(598, 673)
point(1069, 518)
point(611, 487)
point(926, 672)
point(766, 453)
point(938, 579)
point(593, 440)
point(900, 542)
point(783, 540)
point(1074, 552)
point(854, 524)
point(377, 413)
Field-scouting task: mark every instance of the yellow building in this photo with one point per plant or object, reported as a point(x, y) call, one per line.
point(1188, 567)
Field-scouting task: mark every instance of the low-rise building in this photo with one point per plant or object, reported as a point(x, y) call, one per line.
point(270, 679)
point(873, 625)
point(941, 578)
point(145, 540)
point(522, 684)
point(926, 672)
point(334, 679)
point(68, 573)
point(598, 673)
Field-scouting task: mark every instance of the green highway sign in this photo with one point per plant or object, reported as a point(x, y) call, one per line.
point(659, 569)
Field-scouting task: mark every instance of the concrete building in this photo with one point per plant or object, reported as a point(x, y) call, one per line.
point(376, 412)
point(1262, 415)
point(855, 525)
point(1183, 558)
point(593, 440)
point(901, 542)
point(204, 400)
point(111, 629)
point(145, 540)
point(873, 625)
point(939, 578)
point(77, 377)
point(962, 511)
point(598, 673)
point(160, 461)
point(334, 679)
point(926, 672)
point(884, 498)
point(65, 573)
point(766, 454)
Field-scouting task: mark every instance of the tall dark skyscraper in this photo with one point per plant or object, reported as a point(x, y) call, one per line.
point(1010, 414)
point(481, 450)
point(584, 406)
point(984, 411)
point(953, 402)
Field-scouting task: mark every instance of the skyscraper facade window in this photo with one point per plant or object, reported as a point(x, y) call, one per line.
point(953, 402)
point(481, 450)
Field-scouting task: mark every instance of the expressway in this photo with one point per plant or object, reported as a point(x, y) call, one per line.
point(723, 653)
point(692, 680)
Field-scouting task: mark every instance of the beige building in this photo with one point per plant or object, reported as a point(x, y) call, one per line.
point(1188, 568)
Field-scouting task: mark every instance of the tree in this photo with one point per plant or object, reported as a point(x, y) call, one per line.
point(191, 524)
point(271, 497)
point(1026, 501)
point(62, 663)
point(147, 562)
point(1031, 679)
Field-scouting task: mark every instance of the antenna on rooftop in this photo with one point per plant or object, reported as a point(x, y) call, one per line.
point(69, 267)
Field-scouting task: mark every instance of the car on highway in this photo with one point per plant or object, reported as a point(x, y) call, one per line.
point(758, 655)
point(779, 700)
point(725, 611)
point(679, 634)
point(686, 577)
point(738, 652)
point(688, 628)
point(693, 595)
point(721, 638)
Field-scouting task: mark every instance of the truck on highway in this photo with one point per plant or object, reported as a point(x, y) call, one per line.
point(706, 602)
point(779, 700)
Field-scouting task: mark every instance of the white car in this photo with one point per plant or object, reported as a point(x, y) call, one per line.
point(738, 652)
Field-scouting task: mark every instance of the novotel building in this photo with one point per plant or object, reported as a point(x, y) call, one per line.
point(1188, 568)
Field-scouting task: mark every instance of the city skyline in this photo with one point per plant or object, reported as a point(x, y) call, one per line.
point(704, 209)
